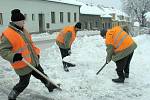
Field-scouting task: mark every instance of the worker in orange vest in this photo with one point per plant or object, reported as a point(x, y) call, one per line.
point(120, 49)
point(16, 44)
point(64, 41)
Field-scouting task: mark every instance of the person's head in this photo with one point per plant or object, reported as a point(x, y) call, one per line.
point(125, 28)
point(78, 26)
point(103, 32)
point(17, 17)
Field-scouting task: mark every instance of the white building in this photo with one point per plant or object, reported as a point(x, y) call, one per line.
point(41, 15)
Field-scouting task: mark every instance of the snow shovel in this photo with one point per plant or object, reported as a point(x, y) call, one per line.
point(58, 87)
point(101, 68)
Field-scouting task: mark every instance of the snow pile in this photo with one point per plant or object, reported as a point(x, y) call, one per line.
point(44, 36)
point(82, 83)
point(47, 36)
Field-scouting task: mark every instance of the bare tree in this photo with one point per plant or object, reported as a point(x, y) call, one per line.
point(136, 9)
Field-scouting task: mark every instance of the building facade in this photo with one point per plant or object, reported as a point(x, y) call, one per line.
point(41, 15)
point(90, 22)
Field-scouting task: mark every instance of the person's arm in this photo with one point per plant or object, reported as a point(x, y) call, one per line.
point(5, 49)
point(67, 40)
point(109, 45)
point(109, 50)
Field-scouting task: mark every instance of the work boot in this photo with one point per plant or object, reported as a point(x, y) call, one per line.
point(65, 66)
point(121, 77)
point(70, 64)
point(118, 80)
point(50, 87)
point(13, 95)
point(126, 75)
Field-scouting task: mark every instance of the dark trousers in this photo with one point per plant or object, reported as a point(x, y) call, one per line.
point(123, 65)
point(24, 80)
point(64, 52)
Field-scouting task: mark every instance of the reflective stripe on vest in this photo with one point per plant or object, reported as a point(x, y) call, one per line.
point(21, 49)
point(121, 41)
point(17, 47)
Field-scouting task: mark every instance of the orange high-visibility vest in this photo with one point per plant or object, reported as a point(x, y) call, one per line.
point(63, 33)
point(18, 46)
point(118, 38)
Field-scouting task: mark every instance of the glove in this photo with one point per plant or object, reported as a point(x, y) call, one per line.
point(69, 52)
point(107, 61)
point(17, 57)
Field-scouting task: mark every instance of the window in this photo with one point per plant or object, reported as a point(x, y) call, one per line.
point(86, 25)
point(47, 25)
point(1, 19)
point(33, 17)
point(96, 23)
point(68, 16)
point(52, 17)
point(75, 17)
point(103, 25)
point(61, 17)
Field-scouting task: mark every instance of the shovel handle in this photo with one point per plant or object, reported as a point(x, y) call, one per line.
point(101, 68)
point(58, 87)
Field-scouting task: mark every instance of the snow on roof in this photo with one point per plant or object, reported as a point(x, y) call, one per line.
point(72, 2)
point(106, 16)
point(111, 10)
point(92, 10)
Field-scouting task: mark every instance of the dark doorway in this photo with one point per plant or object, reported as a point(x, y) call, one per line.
point(41, 23)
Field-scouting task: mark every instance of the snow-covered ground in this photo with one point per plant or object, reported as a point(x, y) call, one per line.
point(82, 83)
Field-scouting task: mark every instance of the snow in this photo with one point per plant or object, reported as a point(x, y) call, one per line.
point(111, 10)
point(136, 24)
point(74, 2)
point(43, 36)
point(90, 9)
point(82, 83)
point(109, 3)
point(106, 16)
point(147, 16)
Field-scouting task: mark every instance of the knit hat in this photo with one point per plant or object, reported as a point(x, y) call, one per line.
point(16, 15)
point(78, 25)
point(103, 32)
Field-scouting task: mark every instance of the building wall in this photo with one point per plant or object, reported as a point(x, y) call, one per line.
point(106, 23)
point(90, 22)
point(37, 7)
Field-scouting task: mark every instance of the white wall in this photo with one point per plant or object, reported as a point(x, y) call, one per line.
point(36, 7)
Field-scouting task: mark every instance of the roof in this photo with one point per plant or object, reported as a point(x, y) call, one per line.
point(72, 2)
point(91, 10)
point(111, 10)
point(106, 16)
